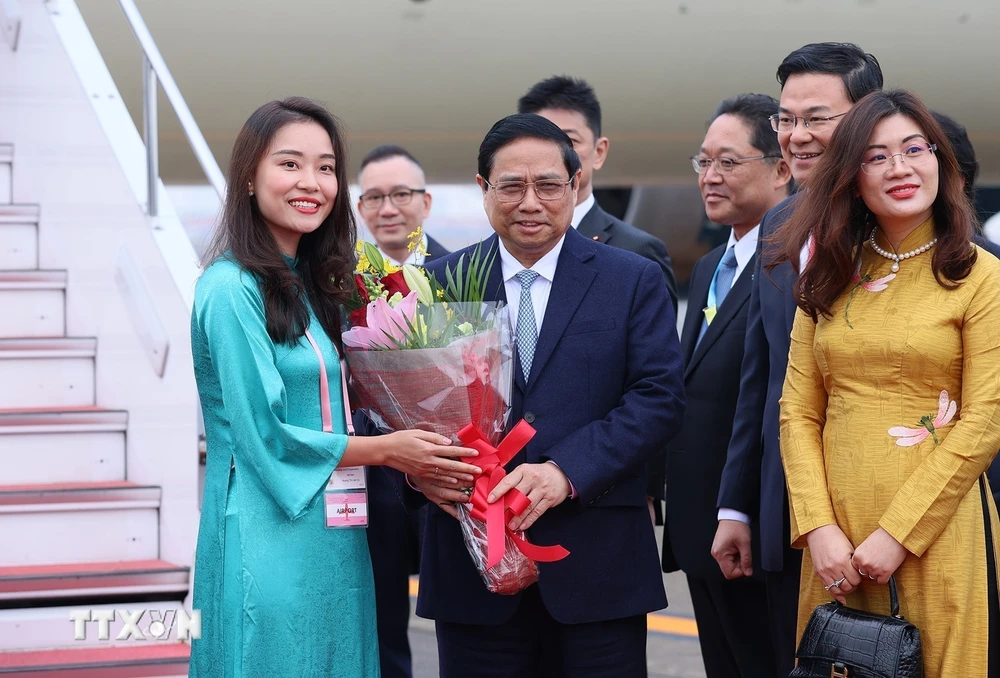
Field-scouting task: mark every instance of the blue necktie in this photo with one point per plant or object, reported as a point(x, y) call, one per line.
point(724, 275)
point(527, 332)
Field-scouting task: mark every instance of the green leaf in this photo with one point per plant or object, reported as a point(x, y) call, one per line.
point(375, 257)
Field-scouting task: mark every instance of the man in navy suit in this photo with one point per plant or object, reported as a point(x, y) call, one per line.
point(819, 85)
point(394, 203)
point(572, 104)
point(598, 374)
point(741, 175)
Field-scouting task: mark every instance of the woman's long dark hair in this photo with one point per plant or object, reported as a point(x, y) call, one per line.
point(832, 211)
point(326, 256)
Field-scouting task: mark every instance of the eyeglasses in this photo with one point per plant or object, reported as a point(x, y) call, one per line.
point(513, 191)
point(722, 164)
point(879, 161)
point(399, 198)
point(782, 122)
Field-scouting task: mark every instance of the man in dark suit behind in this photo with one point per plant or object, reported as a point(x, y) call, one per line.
point(394, 203)
point(572, 105)
point(966, 156)
point(598, 374)
point(819, 85)
point(741, 175)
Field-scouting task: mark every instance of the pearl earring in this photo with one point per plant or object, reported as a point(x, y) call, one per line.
point(250, 186)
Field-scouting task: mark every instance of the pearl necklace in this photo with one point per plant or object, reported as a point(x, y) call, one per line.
point(896, 258)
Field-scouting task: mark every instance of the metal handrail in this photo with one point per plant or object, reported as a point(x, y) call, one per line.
point(154, 67)
point(10, 23)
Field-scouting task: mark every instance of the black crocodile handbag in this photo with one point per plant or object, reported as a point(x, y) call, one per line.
point(840, 642)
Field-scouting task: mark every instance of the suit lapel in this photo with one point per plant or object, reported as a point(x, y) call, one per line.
point(697, 300)
point(789, 294)
point(572, 281)
point(495, 289)
point(737, 297)
point(596, 224)
point(434, 250)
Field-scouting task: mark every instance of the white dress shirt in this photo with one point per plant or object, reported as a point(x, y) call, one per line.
point(416, 257)
point(804, 253)
point(580, 211)
point(540, 288)
point(744, 249)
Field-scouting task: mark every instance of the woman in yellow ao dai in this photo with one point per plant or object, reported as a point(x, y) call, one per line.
point(890, 412)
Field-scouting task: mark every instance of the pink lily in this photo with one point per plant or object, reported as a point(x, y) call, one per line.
point(388, 327)
point(907, 437)
point(876, 285)
point(868, 284)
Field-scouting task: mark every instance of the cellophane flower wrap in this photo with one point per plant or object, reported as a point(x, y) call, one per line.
point(423, 356)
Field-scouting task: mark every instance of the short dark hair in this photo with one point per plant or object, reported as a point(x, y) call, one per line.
point(562, 91)
point(858, 69)
point(964, 152)
point(521, 126)
point(754, 110)
point(385, 152)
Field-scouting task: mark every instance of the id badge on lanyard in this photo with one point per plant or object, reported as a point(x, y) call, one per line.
point(346, 495)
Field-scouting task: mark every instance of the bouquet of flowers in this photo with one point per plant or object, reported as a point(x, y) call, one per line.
point(423, 355)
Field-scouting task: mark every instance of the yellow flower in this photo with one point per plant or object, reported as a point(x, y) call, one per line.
point(417, 242)
point(363, 264)
point(440, 293)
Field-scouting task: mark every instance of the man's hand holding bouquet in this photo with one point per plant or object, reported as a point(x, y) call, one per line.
point(439, 357)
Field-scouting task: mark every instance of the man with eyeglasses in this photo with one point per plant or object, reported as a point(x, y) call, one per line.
point(597, 373)
point(572, 104)
point(741, 175)
point(394, 203)
point(820, 82)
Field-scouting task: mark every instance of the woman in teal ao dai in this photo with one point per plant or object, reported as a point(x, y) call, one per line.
point(279, 593)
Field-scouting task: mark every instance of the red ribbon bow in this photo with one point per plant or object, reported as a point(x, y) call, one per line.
point(492, 460)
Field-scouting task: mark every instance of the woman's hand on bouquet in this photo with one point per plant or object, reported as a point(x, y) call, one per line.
point(421, 454)
point(879, 556)
point(545, 485)
point(831, 555)
point(444, 496)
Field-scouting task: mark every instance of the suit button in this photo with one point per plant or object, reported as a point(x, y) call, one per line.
point(529, 417)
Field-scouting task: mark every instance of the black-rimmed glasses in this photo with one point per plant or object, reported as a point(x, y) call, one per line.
point(398, 197)
point(513, 191)
point(783, 122)
point(723, 164)
point(878, 161)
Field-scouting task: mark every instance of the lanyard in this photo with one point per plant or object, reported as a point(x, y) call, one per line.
point(345, 500)
point(324, 391)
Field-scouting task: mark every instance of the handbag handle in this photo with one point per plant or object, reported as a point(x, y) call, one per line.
point(893, 598)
